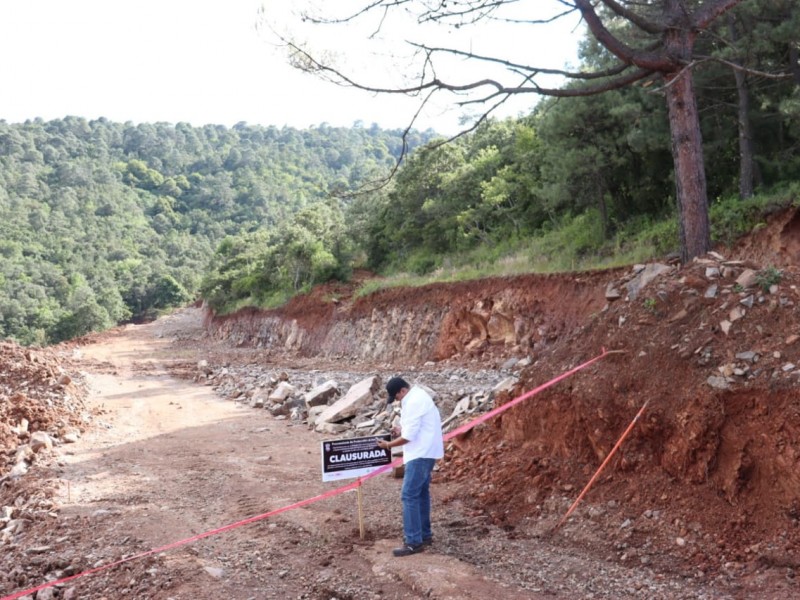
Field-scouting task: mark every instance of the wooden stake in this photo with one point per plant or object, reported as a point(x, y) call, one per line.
point(360, 509)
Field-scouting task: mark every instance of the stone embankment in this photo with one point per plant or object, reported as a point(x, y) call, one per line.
point(501, 317)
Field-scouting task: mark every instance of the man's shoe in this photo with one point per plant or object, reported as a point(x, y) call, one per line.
point(408, 549)
point(427, 541)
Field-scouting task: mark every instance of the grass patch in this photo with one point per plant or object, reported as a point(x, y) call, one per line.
point(570, 243)
point(575, 243)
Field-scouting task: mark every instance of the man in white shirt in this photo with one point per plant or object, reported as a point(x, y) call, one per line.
point(423, 445)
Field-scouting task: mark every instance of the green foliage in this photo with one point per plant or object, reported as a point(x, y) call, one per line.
point(264, 268)
point(103, 222)
point(421, 263)
point(133, 213)
point(83, 314)
point(167, 292)
point(732, 217)
point(768, 277)
point(610, 152)
point(575, 244)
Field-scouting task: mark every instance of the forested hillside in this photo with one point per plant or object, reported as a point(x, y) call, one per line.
point(101, 222)
point(601, 166)
point(587, 178)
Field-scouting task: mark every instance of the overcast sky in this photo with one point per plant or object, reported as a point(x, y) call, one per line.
point(196, 61)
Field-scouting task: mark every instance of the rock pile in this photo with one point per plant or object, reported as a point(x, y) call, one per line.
point(352, 404)
point(726, 312)
point(41, 405)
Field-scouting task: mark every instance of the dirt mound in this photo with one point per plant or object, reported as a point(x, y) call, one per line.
point(713, 349)
point(38, 392)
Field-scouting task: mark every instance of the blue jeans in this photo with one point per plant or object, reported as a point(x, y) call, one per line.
point(417, 500)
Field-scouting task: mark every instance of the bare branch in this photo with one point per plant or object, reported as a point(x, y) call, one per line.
point(336, 76)
point(743, 69)
point(643, 59)
point(633, 17)
point(379, 184)
point(308, 17)
point(552, 19)
point(711, 10)
point(476, 11)
point(535, 70)
point(591, 90)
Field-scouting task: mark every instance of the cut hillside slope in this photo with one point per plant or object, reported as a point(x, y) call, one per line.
point(464, 321)
point(716, 362)
point(711, 346)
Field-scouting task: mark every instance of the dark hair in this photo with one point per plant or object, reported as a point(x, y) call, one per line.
point(394, 385)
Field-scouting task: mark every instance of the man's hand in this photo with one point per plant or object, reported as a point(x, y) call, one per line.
point(383, 444)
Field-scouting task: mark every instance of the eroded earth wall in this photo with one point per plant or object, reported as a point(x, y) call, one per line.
point(499, 316)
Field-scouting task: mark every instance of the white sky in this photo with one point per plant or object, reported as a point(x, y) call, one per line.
point(196, 61)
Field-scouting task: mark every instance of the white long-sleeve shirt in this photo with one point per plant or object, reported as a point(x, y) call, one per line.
point(421, 425)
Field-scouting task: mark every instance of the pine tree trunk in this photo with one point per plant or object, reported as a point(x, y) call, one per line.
point(748, 170)
point(749, 175)
point(690, 176)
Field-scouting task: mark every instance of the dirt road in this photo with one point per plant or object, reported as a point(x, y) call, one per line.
point(172, 460)
point(167, 460)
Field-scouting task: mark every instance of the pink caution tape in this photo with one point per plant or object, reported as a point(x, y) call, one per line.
point(194, 538)
point(330, 494)
point(496, 411)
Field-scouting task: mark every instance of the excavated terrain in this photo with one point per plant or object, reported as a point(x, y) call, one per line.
point(702, 499)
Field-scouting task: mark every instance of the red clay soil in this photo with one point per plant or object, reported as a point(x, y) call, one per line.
point(36, 393)
point(725, 461)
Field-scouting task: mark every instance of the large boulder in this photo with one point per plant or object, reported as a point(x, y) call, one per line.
point(322, 394)
point(281, 393)
point(357, 397)
point(645, 276)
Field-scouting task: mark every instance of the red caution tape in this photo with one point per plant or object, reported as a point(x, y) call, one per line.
point(330, 494)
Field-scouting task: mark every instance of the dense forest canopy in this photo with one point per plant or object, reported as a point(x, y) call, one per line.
point(102, 222)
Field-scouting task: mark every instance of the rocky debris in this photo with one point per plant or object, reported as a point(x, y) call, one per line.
point(281, 393)
point(713, 347)
point(498, 319)
point(711, 296)
point(642, 275)
point(41, 408)
point(40, 402)
point(322, 394)
point(359, 396)
point(631, 520)
point(335, 403)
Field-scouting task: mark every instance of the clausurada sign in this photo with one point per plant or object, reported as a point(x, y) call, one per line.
point(353, 457)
